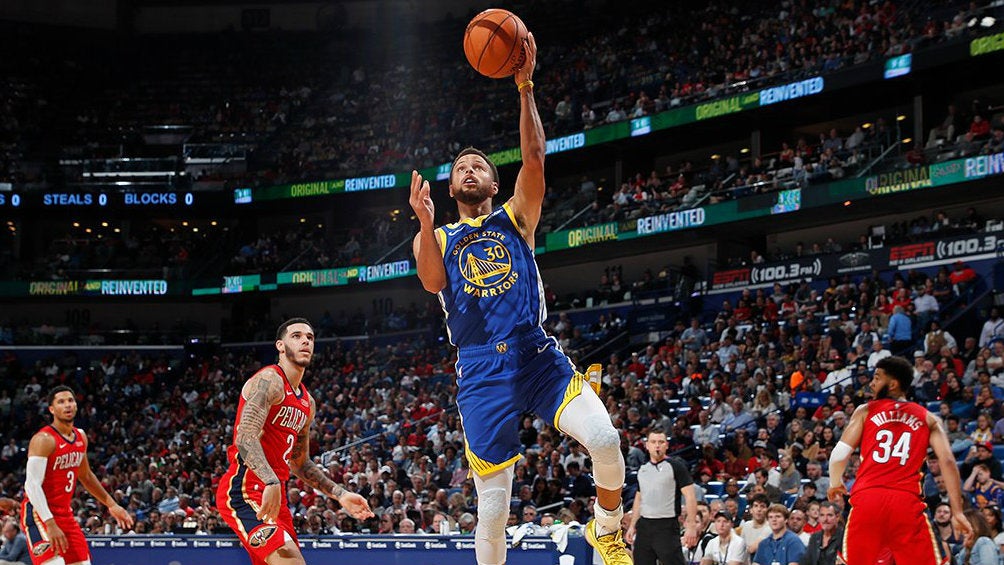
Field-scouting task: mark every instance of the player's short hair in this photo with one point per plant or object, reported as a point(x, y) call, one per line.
point(51, 397)
point(480, 153)
point(899, 369)
point(283, 327)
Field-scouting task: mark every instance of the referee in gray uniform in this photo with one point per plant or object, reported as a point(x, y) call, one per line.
point(663, 485)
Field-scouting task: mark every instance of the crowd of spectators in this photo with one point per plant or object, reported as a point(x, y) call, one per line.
point(370, 237)
point(172, 249)
point(647, 65)
point(144, 250)
point(722, 176)
point(279, 94)
point(734, 392)
point(916, 229)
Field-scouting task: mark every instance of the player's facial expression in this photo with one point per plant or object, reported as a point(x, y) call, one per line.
point(471, 180)
point(64, 406)
point(880, 384)
point(298, 344)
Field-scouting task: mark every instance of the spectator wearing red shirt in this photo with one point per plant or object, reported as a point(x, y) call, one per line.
point(636, 366)
point(962, 274)
point(979, 129)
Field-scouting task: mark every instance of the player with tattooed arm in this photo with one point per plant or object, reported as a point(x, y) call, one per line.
point(272, 438)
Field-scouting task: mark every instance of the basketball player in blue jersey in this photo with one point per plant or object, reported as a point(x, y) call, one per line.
point(483, 270)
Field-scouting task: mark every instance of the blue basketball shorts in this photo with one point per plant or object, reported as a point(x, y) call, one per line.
point(499, 382)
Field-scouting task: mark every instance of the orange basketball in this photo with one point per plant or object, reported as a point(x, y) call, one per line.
point(494, 43)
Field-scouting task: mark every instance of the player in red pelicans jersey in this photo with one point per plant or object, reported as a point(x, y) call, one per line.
point(57, 459)
point(888, 520)
point(272, 438)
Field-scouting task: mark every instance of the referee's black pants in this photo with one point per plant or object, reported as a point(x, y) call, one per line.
point(658, 538)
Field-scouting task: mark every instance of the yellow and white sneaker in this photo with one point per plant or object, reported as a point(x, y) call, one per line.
point(610, 547)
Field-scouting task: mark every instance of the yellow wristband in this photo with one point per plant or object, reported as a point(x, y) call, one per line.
point(524, 84)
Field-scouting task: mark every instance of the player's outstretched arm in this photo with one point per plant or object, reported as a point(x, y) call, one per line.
point(311, 473)
point(849, 441)
point(950, 472)
point(428, 255)
point(260, 393)
point(39, 450)
point(528, 196)
point(97, 490)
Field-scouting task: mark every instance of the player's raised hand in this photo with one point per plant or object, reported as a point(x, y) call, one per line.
point(122, 516)
point(355, 505)
point(270, 500)
point(420, 200)
point(56, 536)
point(525, 72)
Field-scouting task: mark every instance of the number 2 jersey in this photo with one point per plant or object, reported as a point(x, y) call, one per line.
point(893, 446)
point(285, 420)
point(493, 288)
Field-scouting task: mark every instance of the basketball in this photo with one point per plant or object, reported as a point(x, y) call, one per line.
point(494, 43)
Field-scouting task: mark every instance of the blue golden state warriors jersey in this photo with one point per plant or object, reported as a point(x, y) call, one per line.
point(493, 288)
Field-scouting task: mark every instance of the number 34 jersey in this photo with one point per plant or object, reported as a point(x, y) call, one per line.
point(893, 446)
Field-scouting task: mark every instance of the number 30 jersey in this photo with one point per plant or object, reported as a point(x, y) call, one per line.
point(62, 470)
point(493, 289)
point(893, 446)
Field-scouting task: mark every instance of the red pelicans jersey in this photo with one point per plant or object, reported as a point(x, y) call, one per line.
point(893, 446)
point(285, 420)
point(61, 470)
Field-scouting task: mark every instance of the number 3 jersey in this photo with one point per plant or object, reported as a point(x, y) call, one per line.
point(893, 446)
point(493, 287)
point(62, 470)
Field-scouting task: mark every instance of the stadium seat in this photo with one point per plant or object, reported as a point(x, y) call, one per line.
point(716, 487)
point(934, 406)
point(999, 451)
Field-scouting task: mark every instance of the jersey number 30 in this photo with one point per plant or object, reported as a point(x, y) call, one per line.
point(886, 450)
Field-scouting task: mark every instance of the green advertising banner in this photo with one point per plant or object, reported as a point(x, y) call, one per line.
point(650, 225)
point(988, 44)
point(315, 279)
point(93, 287)
point(725, 106)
